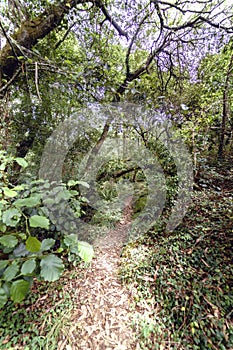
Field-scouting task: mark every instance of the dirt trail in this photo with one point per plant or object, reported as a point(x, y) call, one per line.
point(102, 318)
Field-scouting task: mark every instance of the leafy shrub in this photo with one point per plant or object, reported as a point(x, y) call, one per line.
point(30, 245)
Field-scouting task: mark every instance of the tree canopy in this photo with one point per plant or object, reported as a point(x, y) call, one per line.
point(170, 62)
point(164, 32)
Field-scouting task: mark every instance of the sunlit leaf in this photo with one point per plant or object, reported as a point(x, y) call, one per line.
point(30, 202)
point(86, 251)
point(22, 162)
point(11, 217)
point(33, 245)
point(9, 193)
point(19, 290)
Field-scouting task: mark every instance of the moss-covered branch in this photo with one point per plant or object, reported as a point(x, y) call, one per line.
point(29, 33)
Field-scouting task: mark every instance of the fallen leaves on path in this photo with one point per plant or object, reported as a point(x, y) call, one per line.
point(101, 320)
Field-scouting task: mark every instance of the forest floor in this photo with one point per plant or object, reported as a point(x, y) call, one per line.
point(88, 309)
point(101, 320)
point(177, 290)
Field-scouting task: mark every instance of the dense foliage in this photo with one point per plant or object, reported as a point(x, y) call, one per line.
point(30, 244)
point(175, 58)
point(185, 278)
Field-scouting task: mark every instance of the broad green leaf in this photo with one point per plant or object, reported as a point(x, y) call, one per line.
point(74, 182)
point(51, 268)
point(10, 272)
point(61, 196)
point(86, 251)
point(29, 202)
point(71, 183)
point(6, 287)
point(11, 217)
point(48, 201)
point(46, 244)
point(71, 240)
point(19, 188)
point(39, 221)
point(74, 192)
point(22, 162)
point(33, 245)
point(19, 290)
point(3, 297)
point(9, 193)
point(3, 264)
point(8, 241)
point(28, 267)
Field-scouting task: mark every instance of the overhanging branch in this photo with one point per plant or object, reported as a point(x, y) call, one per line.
point(110, 19)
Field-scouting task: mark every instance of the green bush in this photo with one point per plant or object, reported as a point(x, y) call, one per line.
point(30, 244)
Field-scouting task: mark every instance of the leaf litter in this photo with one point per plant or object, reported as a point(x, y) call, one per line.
point(102, 317)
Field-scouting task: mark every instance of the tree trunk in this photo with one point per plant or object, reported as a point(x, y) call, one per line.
point(28, 35)
point(225, 111)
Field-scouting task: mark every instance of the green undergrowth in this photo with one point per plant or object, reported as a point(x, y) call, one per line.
point(182, 281)
point(43, 320)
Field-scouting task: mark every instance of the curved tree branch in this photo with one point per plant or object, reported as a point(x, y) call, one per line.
point(32, 30)
point(121, 32)
point(134, 37)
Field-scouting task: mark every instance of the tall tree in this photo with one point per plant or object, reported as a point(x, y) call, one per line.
point(157, 34)
point(157, 26)
point(226, 107)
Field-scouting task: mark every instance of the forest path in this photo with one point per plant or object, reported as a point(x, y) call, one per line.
point(102, 320)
